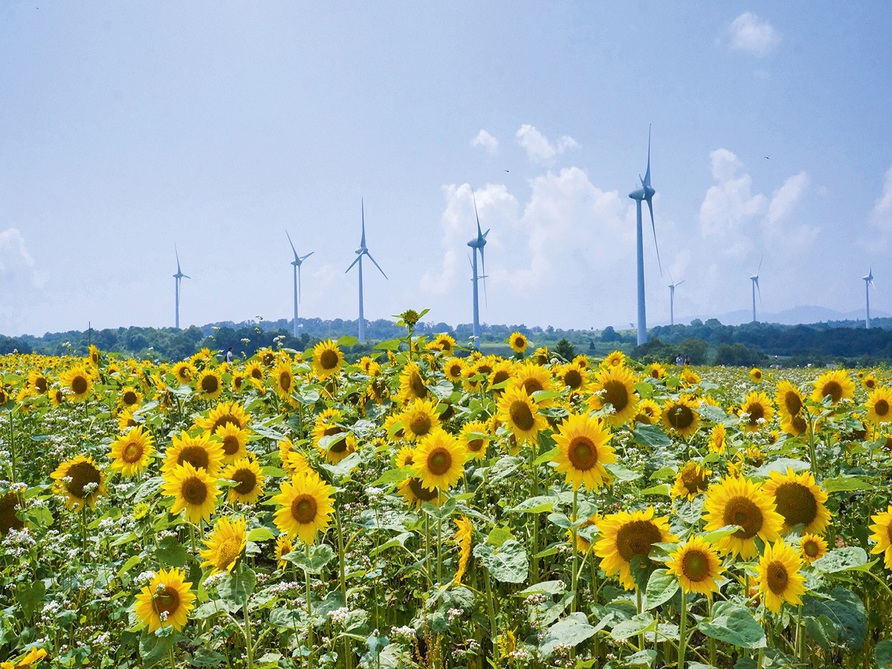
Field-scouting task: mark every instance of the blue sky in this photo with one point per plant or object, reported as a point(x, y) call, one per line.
point(127, 128)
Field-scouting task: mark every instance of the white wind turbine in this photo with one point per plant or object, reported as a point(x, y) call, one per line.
point(755, 280)
point(477, 245)
point(868, 280)
point(296, 263)
point(672, 287)
point(644, 194)
point(360, 252)
point(178, 277)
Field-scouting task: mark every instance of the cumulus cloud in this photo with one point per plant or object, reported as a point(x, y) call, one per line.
point(17, 267)
point(730, 203)
point(750, 34)
point(538, 147)
point(785, 198)
point(881, 214)
point(486, 141)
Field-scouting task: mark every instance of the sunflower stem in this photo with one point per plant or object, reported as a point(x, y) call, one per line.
point(343, 583)
point(14, 464)
point(249, 643)
point(310, 635)
point(711, 641)
point(682, 630)
point(574, 575)
point(84, 528)
point(439, 552)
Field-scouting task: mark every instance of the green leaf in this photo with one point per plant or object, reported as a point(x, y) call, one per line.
point(651, 435)
point(850, 558)
point(735, 625)
point(713, 413)
point(388, 345)
point(499, 535)
point(661, 587)
point(319, 556)
point(130, 564)
point(539, 504)
point(347, 341)
point(643, 658)
point(571, 631)
point(822, 630)
point(883, 654)
point(847, 612)
point(205, 657)
point(260, 534)
point(237, 587)
point(623, 473)
point(171, 553)
point(344, 467)
point(845, 484)
point(543, 588)
point(661, 489)
point(629, 628)
point(721, 533)
point(781, 465)
point(30, 597)
point(507, 563)
point(548, 456)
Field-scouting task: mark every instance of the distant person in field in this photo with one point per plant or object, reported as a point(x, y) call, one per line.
point(229, 355)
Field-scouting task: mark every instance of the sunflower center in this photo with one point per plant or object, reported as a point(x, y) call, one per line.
point(680, 417)
point(129, 398)
point(197, 456)
point(454, 371)
point(82, 474)
point(796, 503)
point(285, 381)
point(799, 425)
point(833, 389)
point(420, 424)
point(474, 445)
point(521, 415)
point(583, 453)
point(194, 491)
point(793, 402)
point(756, 411)
point(778, 578)
point(167, 601)
point(256, 373)
point(695, 565)
point(636, 538)
point(338, 446)
point(573, 379)
point(303, 509)
point(224, 420)
point(40, 384)
point(230, 444)
point(228, 552)
point(616, 393)
point(328, 359)
point(210, 384)
point(881, 408)
point(416, 383)
point(744, 512)
point(811, 548)
point(79, 385)
point(439, 461)
point(247, 480)
point(532, 386)
point(8, 518)
point(693, 480)
point(870, 384)
point(132, 452)
point(420, 492)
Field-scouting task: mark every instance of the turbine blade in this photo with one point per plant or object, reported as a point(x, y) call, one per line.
point(679, 283)
point(650, 207)
point(353, 263)
point(477, 216)
point(292, 245)
point(178, 258)
point(646, 180)
point(376, 264)
point(761, 258)
point(307, 256)
point(185, 276)
point(362, 241)
point(483, 266)
point(298, 283)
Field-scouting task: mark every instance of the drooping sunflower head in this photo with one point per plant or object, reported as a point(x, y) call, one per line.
point(583, 449)
point(697, 565)
point(202, 452)
point(799, 500)
point(166, 601)
point(789, 399)
point(681, 417)
point(834, 384)
point(613, 390)
point(756, 411)
point(193, 490)
point(625, 536)
point(327, 359)
point(882, 535)
point(879, 406)
point(691, 480)
point(475, 437)
point(9, 507)
point(306, 503)
point(518, 342)
point(464, 536)
point(420, 418)
point(743, 502)
point(249, 479)
point(780, 579)
point(439, 460)
point(80, 481)
point(520, 413)
point(225, 545)
point(132, 452)
point(812, 547)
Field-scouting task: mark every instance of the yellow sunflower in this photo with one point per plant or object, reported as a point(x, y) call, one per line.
point(201, 452)
point(795, 426)
point(615, 386)
point(789, 399)
point(454, 369)
point(520, 412)
point(882, 534)
point(812, 547)
point(582, 544)
point(255, 374)
point(292, 460)
point(327, 359)
point(132, 451)
point(697, 565)
point(502, 373)
point(879, 406)
point(649, 412)
point(615, 359)
point(224, 545)
point(193, 490)
point(306, 503)
point(718, 439)
point(868, 380)
point(284, 546)
point(799, 500)
point(656, 371)
point(414, 492)
point(79, 481)
point(836, 384)
point(412, 384)
point(583, 449)
point(443, 343)
point(518, 342)
point(77, 383)
point(283, 379)
point(420, 418)
point(533, 378)
point(681, 417)
point(572, 376)
point(184, 372)
point(238, 381)
point(689, 377)
point(439, 460)
point(9, 520)
point(475, 437)
point(129, 398)
point(464, 535)
point(756, 374)
point(625, 536)
point(165, 601)
point(209, 384)
point(27, 661)
point(225, 413)
point(339, 441)
point(756, 411)
point(691, 480)
point(249, 477)
point(233, 440)
point(780, 579)
point(740, 501)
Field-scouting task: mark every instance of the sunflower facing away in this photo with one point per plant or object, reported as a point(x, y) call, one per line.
point(464, 534)
point(521, 414)
point(132, 451)
point(583, 449)
point(882, 534)
point(193, 490)
point(284, 546)
point(697, 565)
point(836, 384)
point(681, 417)
point(625, 536)
point(740, 501)
point(79, 481)
point(799, 499)
point(780, 579)
point(249, 480)
point(306, 503)
point(691, 480)
point(165, 601)
point(812, 547)
point(224, 545)
point(439, 460)
point(201, 452)
point(756, 411)
point(327, 359)
point(615, 386)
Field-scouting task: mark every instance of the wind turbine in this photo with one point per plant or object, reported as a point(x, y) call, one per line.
point(646, 194)
point(298, 260)
point(755, 279)
point(179, 276)
point(360, 252)
point(672, 287)
point(868, 280)
point(477, 245)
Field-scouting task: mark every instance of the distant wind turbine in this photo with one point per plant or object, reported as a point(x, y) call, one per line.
point(178, 277)
point(360, 252)
point(868, 280)
point(755, 279)
point(297, 262)
point(644, 194)
point(477, 245)
point(672, 287)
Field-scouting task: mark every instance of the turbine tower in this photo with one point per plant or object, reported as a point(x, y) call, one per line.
point(646, 194)
point(360, 252)
point(672, 287)
point(477, 245)
point(298, 260)
point(868, 280)
point(178, 277)
point(755, 279)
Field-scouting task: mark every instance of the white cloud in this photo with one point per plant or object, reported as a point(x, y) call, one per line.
point(881, 215)
point(786, 198)
point(486, 141)
point(730, 204)
point(17, 267)
point(539, 149)
point(750, 34)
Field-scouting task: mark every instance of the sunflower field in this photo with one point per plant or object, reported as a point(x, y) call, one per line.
point(430, 506)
